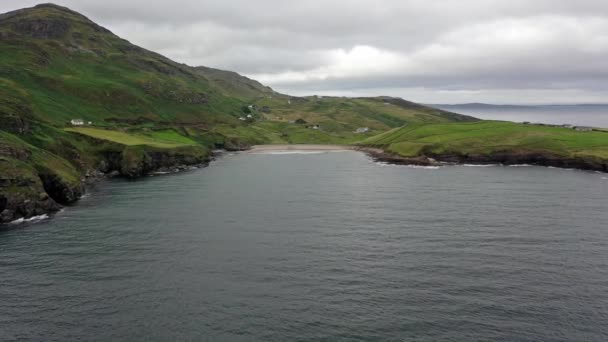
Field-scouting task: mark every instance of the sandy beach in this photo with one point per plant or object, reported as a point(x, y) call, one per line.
point(298, 147)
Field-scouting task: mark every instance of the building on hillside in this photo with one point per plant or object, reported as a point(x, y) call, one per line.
point(362, 130)
point(583, 129)
point(77, 122)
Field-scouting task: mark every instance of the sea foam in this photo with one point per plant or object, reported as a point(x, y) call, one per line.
point(31, 219)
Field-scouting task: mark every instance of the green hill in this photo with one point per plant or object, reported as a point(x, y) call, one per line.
point(141, 111)
point(498, 142)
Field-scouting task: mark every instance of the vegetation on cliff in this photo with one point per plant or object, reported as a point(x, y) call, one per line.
point(498, 142)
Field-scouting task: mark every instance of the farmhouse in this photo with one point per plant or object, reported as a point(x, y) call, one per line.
point(77, 122)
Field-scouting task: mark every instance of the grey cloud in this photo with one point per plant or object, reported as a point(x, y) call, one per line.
point(428, 50)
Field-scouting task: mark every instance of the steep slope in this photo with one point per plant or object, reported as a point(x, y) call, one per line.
point(76, 100)
point(233, 84)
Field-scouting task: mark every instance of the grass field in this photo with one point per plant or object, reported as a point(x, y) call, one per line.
point(161, 139)
point(486, 137)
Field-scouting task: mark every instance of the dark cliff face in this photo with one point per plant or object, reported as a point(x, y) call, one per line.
point(137, 162)
point(59, 190)
point(43, 191)
point(427, 158)
point(23, 196)
point(525, 157)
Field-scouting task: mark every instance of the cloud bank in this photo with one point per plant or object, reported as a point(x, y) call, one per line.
point(516, 51)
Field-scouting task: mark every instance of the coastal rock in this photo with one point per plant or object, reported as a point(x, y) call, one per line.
point(137, 162)
point(427, 158)
point(235, 145)
point(391, 158)
point(526, 157)
point(24, 197)
point(61, 191)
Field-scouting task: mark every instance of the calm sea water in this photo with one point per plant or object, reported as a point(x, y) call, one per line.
point(317, 247)
point(581, 115)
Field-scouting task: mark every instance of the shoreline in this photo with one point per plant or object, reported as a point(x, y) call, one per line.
point(299, 147)
point(377, 154)
point(501, 158)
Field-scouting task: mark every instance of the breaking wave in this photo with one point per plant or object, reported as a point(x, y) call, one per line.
point(31, 219)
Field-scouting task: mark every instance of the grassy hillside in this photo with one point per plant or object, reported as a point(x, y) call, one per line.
point(235, 85)
point(57, 65)
point(494, 141)
point(142, 111)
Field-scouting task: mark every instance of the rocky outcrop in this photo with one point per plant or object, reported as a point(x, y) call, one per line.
point(59, 190)
point(526, 157)
point(47, 28)
point(26, 192)
point(235, 145)
point(15, 115)
point(175, 93)
point(506, 157)
point(14, 124)
point(138, 161)
point(23, 196)
point(391, 158)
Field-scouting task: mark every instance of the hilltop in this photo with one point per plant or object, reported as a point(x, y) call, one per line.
point(78, 101)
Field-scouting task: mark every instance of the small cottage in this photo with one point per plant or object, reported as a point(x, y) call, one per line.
point(77, 122)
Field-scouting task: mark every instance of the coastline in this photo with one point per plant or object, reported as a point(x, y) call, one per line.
point(506, 158)
point(299, 147)
point(176, 165)
point(22, 209)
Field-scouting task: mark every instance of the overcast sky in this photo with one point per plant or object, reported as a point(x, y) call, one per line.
point(430, 51)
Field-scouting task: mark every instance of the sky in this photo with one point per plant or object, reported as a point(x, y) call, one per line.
point(428, 51)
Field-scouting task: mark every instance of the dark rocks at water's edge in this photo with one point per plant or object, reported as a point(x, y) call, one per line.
point(380, 155)
point(499, 157)
point(16, 206)
point(28, 196)
point(530, 158)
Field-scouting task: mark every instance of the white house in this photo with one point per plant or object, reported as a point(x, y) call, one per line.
point(362, 130)
point(77, 122)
